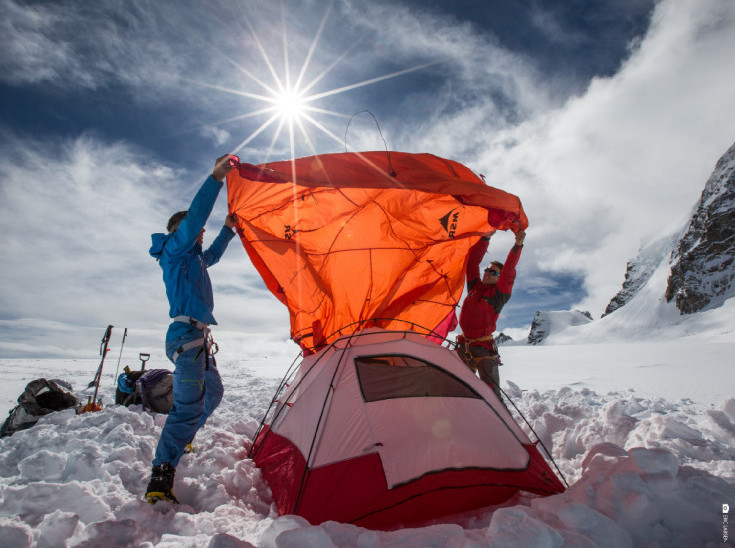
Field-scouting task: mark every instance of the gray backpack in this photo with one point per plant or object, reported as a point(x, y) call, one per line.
point(40, 397)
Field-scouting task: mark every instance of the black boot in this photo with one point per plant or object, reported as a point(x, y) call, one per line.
point(161, 484)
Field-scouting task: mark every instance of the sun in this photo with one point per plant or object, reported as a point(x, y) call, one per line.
point(290, 105)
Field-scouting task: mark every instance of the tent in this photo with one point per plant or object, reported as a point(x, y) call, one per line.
point(386, 428)
point(381, 426)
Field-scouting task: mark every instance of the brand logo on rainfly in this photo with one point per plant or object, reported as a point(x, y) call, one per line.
point(450, 222)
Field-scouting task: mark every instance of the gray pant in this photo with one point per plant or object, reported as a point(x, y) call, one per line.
point(485, 362)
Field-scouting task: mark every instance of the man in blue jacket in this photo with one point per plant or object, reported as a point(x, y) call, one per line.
point(197, 384)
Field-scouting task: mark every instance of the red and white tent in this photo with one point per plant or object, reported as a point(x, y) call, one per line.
point(385, 428)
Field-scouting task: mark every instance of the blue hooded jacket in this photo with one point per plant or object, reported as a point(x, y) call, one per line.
point(184, 264)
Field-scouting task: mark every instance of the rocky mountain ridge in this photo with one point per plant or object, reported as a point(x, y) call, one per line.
point(640, 270)
point(701, 256)
point(703, 263)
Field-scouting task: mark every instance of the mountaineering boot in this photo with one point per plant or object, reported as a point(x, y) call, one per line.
point(161, 484)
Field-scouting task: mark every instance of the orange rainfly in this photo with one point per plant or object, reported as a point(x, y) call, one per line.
point(354, 240)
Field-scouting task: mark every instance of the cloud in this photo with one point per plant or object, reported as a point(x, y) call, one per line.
point(218, 135)
point(43, 43)
point(156, 51)
point(553, 27)
point(77, 218)
point(471, 66)
point(626, 161)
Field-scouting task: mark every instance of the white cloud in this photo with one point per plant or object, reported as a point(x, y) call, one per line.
point(155, 51)
point(218, 135)
point(43, 43)
point(484, 86)
point(553, 27)
point(76, 219)
point(627, 160)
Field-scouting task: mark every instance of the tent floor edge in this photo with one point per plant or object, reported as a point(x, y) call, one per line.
point(368, 502)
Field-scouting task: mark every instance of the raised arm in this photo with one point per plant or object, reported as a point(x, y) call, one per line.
point(508, 274)
point(476, 254)
point(200, 209)
point(214, 253)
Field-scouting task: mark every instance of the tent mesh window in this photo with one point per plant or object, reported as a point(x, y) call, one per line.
point(388, 377)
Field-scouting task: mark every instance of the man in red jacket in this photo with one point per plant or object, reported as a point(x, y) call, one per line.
point(480, 310)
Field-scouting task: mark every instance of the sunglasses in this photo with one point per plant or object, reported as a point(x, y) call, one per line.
point(493, 271)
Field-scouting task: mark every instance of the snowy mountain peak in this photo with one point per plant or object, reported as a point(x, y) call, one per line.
point(545, 322)
point(502, 338)
point(703, 263)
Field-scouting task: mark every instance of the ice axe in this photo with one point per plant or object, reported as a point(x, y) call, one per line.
point(103, 352)
point(92, 404)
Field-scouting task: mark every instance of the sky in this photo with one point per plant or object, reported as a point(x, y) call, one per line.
point(605, 118)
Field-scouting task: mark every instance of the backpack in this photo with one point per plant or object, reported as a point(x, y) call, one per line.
point(40, 397)
point(154, 389)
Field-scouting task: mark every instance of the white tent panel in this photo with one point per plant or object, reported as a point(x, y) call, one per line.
point(297, 415)
point(346, 432)
point(440, 434)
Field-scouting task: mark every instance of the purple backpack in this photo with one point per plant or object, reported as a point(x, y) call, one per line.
point(156, 390)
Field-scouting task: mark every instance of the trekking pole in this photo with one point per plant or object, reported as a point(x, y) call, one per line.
point(125, 336)
point(103, 352)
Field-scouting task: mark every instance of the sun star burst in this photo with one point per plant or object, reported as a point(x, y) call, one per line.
point(287, 103)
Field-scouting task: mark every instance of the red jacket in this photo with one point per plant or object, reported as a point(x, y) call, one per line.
point(482, 306)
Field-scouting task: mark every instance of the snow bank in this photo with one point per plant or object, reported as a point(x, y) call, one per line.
point(644, 472)
point(78, 480)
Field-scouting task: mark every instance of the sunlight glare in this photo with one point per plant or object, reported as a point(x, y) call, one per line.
point(289, 104)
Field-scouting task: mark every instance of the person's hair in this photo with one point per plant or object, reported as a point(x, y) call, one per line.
point(176, 218)
point(495, 263)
